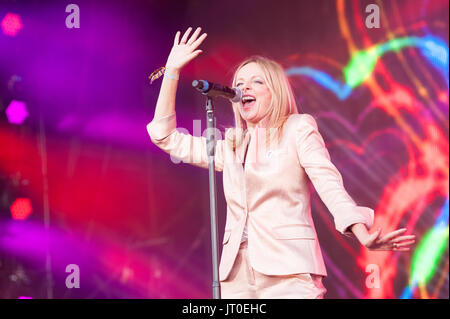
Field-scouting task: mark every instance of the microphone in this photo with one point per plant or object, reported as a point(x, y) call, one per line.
point(212, 89)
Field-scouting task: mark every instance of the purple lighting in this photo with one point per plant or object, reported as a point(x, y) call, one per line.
point(16, 112)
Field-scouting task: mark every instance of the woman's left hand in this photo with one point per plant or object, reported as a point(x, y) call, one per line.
point(391, 241)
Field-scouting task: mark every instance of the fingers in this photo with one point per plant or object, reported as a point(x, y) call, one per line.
point(199, 41)
point(194, 36)
point(194, 54)
point(402, 238)
point(177, 38)
point(391, 235)
point(193, 41)
point(403, 244)
point(185, 36)
point(373, 237)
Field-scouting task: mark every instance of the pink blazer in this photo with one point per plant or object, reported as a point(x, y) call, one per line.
point(271, 193)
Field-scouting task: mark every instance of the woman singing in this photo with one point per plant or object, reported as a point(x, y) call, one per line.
point(270, 246)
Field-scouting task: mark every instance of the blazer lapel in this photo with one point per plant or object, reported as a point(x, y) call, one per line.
point(243, 148)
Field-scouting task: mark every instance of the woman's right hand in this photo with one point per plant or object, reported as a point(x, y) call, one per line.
point(185, 50)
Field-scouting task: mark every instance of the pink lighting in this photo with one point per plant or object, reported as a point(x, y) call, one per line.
point(11, 24)
point(16, 112)
point(21, 209)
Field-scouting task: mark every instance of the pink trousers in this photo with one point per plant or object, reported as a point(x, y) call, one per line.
point(246, 283)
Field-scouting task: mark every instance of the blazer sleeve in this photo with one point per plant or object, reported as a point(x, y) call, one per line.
point(327, 180)
point(185, 147)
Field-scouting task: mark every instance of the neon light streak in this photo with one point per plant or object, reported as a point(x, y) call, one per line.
point(341, 90)
point(428, 254)
point(363, 63)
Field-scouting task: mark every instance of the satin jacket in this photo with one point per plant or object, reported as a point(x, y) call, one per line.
point(271, 193)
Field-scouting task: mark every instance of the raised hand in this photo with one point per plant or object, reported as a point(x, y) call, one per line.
point(391, 241)
point(184, 50)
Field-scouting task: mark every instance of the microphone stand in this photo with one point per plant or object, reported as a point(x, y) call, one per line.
point(211, 149)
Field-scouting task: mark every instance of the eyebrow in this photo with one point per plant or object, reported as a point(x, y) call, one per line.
point(250, 78)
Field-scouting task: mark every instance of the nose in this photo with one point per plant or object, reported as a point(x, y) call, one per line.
point(246, 87)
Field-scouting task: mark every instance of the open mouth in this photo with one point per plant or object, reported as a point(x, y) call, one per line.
point(248, 101)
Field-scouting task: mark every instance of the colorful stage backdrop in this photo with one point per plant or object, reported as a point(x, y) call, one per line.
point(84, 194)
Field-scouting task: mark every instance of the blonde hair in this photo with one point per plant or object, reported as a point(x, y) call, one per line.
point(282, 104)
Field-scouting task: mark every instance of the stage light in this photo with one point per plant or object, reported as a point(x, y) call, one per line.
point(16, 112)
point(11, 24)
point(21, 208)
